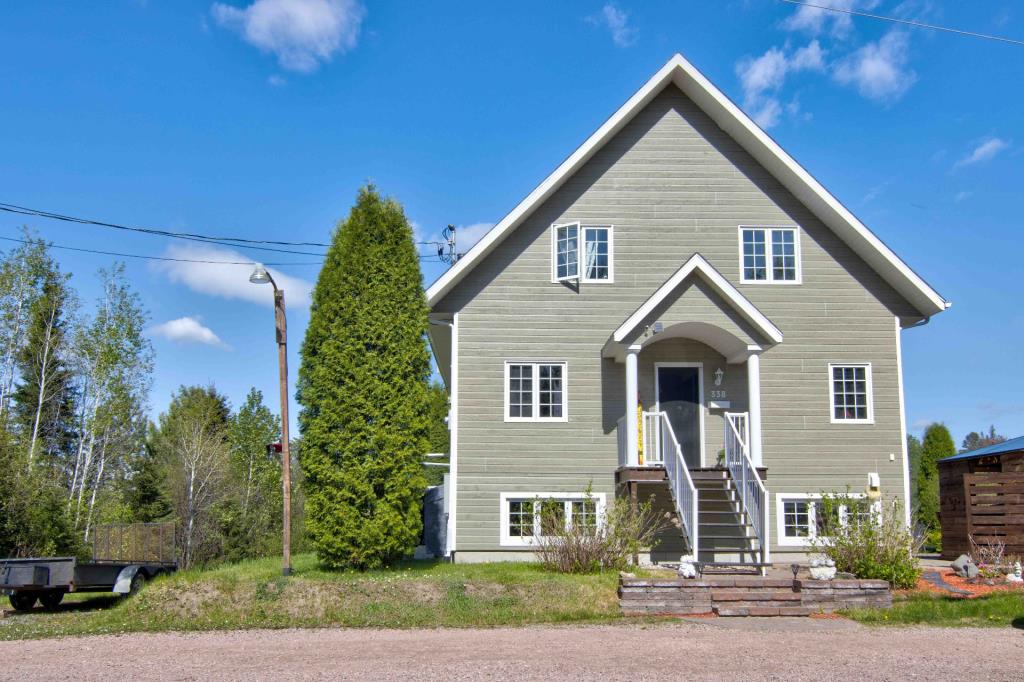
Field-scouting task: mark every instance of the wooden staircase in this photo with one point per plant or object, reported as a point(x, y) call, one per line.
point(728, 542)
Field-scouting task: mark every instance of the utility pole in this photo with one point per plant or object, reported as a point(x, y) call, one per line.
point(261, 276)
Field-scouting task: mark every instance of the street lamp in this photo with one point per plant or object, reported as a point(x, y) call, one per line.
point(261, 276)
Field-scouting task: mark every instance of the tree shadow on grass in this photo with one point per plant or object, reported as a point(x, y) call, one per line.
point(1018, 622)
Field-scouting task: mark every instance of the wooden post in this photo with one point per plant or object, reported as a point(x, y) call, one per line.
point(635, 505)
point(286, 483)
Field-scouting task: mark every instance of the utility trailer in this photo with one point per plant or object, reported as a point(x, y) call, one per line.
point(124, 557)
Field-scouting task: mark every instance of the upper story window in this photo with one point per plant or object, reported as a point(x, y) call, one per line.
point(770, 254)
point(850, 393)
point(535, 391)
point(581, 252)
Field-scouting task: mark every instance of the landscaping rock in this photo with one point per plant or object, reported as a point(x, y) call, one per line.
point(964, 567)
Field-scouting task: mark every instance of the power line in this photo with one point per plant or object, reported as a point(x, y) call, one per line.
point(908, 22)
point(430, 258)
point(239, 242)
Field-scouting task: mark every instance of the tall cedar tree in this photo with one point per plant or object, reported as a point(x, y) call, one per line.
point(363, 388)
point(936, 444)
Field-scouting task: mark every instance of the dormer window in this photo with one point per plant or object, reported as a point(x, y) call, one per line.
point(581, 253)
point(770, 255)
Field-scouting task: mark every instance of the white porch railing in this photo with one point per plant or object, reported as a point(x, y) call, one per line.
point(752, 492)
point(661, 448)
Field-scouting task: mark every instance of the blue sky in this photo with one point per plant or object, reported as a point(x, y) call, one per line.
point(263, 119)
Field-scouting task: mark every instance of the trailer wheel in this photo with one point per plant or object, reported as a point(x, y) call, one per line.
point(138, 580)
point(23, 601)
point(51, 600)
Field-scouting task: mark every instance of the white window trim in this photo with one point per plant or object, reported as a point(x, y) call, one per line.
point(581, 252)
point(869, 386)
point(768, 255)
point(780, 516)
point(536, 391)
point(509, 541)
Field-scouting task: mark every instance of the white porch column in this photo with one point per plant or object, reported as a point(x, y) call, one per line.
point(754, 399)
point(632, 405)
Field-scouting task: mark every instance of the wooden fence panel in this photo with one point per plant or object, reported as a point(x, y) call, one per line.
point(994, 506)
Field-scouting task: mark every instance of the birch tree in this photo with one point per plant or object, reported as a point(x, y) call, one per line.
point(192, 441)
point(114, 366)
point(20, 273)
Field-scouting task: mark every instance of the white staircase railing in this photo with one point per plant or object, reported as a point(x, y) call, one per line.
point(662, 448)
point(752, 492)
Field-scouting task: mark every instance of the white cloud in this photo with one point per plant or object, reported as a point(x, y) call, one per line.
point(764, 76)
point(879, 69)
point(816, 21)
point(985, 151)
point(302, 33)
point(187, 330)
point(468, 235)
point(962, 196)
point(228, 281)
point(617, 23)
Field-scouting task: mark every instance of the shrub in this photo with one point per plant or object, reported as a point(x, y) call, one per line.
point(869, 544)
point(589, 544)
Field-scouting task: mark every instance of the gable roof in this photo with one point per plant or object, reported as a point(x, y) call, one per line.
point(757, 143)
point(1012, 445)
point(694, 266)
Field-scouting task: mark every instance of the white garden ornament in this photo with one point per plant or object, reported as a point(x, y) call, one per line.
point(822, 568)
point(687, 566)
point(1015, 577)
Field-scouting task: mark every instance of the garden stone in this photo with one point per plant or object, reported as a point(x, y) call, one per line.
point(963, 567)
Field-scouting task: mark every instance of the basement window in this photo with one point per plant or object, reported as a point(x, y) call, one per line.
point(801, 517)
point(526, 515)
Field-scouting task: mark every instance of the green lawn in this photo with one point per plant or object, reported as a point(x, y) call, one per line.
point(999, 609)
point(253, 594)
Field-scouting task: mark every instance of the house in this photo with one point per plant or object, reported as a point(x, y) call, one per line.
point(678, 310)
point(980, 495)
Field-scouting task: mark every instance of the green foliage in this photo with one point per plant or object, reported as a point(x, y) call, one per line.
point(998, 609)
point(34, 517)
point(363, 387)
point(251, 511)
point(438, 436)
point(869, 544)
point(914, 461)
point(937, 444)
point(191, 441)
point(146, 491)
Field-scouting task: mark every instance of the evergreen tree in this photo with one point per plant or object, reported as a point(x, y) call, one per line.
point(363, 390)
point(146, 490)
point(936, 444)
point(44, 409)
point(437, 403)
point(914, 460)
point(976, 441)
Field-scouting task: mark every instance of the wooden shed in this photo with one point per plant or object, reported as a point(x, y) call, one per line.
point(981, 494)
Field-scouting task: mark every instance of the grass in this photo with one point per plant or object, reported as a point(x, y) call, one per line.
point(253, 594)
point(997, 609)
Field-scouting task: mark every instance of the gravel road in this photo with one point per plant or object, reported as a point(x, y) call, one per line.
point(734, 649)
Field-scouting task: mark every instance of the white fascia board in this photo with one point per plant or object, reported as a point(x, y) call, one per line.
point(758, 144)
point(498, 233)
point(720, 284)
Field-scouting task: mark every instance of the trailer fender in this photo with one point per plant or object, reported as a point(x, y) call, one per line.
point(123, 584)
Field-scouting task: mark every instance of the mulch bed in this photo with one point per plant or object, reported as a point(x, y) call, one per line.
point(948, 583)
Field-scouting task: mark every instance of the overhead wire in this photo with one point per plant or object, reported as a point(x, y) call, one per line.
point(908, 22)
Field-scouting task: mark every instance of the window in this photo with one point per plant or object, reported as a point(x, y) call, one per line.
point(850, 394)
point(802, 518)
point(594, 264)
point(535, 391)
point(525, 515)
point(769, 254)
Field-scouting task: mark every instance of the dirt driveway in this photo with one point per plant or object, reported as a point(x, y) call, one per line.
point(796, 649)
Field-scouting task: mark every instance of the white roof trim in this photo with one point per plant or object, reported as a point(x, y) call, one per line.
point(757, 143)
point(696, 263)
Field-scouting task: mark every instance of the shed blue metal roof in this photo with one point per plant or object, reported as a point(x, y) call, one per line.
point(1012, 445)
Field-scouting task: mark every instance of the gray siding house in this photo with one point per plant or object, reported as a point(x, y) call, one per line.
point(678, 310)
